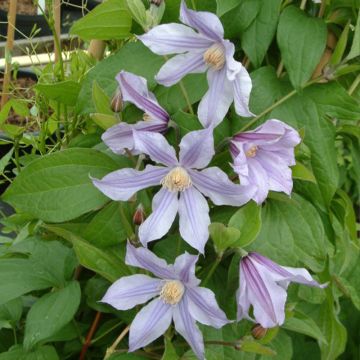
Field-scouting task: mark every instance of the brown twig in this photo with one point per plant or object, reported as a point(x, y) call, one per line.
point(89, 336)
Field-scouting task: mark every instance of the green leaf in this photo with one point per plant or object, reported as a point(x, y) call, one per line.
point(300, 55)
point(255, 347)
point(223, 236)
point(338, 53)
point(101, 100)
point(108, 21)
point(248, 221)
point(103, 262)
point(355, 47)
point(223, 6)
point(57, 187)
point(169, 353)
point(50, 313)
point(262, 29)
point(5, 160)
point(133, 57)
point(104, 121)
point(19, 106)
point(301, 172)
point(11, 311)
point(304, 324)
point(282, 345)
point(292, 234)
point(65, 92)
point(138, 11)
point(41, 353)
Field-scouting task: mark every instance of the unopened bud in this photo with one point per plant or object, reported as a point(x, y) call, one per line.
point(156, 2)
point(258, 332)
point(139, 215)
point(117, 102)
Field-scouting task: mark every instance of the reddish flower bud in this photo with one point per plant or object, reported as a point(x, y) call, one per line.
point(117, 102)
point(258, 332)
point(156, 2)
point(139, 215)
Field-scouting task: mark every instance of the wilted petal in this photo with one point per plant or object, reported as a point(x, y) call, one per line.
point(165, 207)
point(204, 308)
point(156, 146)
point(194, 218)
point(123, 184)
point(217, 100)
point(120, 136)
point(174, 39)
point(185, 325)
point(242, 89)
point(215, 184)
point(145, 259)
point(266, 296)
point(134, 89)
point(179, 66)
point(205, 22)
point(150, 323)
point(185, 268)
point(197, 149)
point(130, 291)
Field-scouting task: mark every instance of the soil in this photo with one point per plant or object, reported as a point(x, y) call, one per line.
point(24, 7)
point(21, 89)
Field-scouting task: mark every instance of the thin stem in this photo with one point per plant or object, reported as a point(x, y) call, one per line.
point(322, 9)
point(186, 96)
point(193, 4)
point(280, 68)
point(212, 270)
point(354, 85)
point(16, 152)
point(303, 4)
point(89, 336)
point(105, 333)
point(15, 336)
point(112, 348)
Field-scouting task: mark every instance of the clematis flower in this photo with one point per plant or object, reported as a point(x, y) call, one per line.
point(199, 51)
point(263, 285)
point(177, 296)
point(134, 90)
point(178, 177)
point(262, 157)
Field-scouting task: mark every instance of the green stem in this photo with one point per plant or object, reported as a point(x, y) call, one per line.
point(15, 336)
point(186, 96)
point(193, 4)
point(128, 228)
point(58, 130)
point(16, 151)
point(303, 4)
point(212, 270)
point(354, 85)
point(108, 331)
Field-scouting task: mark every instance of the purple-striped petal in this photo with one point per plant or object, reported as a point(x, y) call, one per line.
point(165, 207)
point(145, 259)
point(120, 136)
point(215, 184)
point(242, 89)
point(130, 291)
point(233, 67)
point(259, 178)
point(156, 146)
point(174, 39)
point(134, 89)
point(150, 323)
point(185, 325)
point(194, 218)
point(179, 66)
point(242, 299)
point(123, 184)
point(185, 269)
point(204, 22)
point(204, 308)
point(197, 149)
point(217, 100)
point(240, 165)
point(266, 296)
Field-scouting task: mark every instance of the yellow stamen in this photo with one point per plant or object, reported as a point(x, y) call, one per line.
point(177, 179)
point(146, 117)
point(251, 152)
point(214, 56)
point(172, 292)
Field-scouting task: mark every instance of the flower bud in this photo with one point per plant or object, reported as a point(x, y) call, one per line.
point(117, 102)
point(156, 2)
point(258, 332)
point(139, 215)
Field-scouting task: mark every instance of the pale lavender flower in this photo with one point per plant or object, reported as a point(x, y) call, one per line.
point(263, 284)
point(198, 52)
point(177, 295)
point(177, 177)
point(134, 90)
point(262, 157)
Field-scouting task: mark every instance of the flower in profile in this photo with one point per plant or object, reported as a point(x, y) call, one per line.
point(134, 89)
point(178, 177)
point(263, 285)
point(262, 157)
point(177, 296)
point(199, 51)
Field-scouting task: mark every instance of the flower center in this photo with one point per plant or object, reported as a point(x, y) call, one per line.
point(177, 179)
point(172, 292)
point(214, 56)
point(251, 152)
point(146, 117)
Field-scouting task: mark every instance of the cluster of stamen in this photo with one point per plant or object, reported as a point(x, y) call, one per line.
point(177, 179)
point(146, 117)
point(214, 56)
point(251, 152)
point(172, 292)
